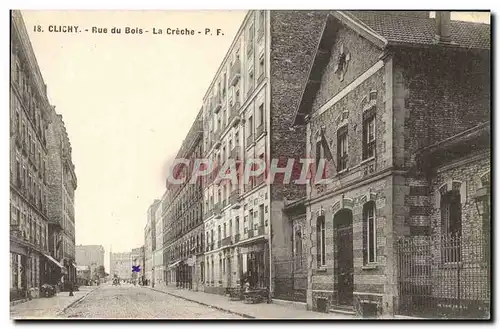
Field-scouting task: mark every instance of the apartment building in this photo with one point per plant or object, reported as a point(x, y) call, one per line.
point(32, 250)
point(62, 183)
point(247, 113)
point(150, 240)
point(158, 274)
point(87, 255)
point(184, 233)
point(120, 264)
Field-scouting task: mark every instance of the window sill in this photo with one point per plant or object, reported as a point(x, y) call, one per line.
point(370, 266)
point(370, 159)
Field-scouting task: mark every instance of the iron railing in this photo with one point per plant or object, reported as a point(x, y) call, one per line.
point(444, 277)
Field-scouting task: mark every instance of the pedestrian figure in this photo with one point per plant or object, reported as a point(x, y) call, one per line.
point(71, 289)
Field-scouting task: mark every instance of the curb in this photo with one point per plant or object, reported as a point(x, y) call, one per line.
point(74, 303)
point(204, 304)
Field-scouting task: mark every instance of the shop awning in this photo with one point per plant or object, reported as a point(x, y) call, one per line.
point(53, 260)
point(174, 264)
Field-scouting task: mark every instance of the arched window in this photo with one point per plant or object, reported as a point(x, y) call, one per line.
point(451, 224)
point(369, 233)
point(320, 234)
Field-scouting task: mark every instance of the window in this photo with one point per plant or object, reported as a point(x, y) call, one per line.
point(225, 230)
point(261, 114)
point(369, 233)
point(230, 227)
point(261, 66)
point(237, 225)
point(369, 134)
point(250, 33)
point(297, 242)
point(320, 235)
point(261, 213)
point(202, 271)
point(341, 149)
point(451, 225)
point(250, 218)
point(250, 125)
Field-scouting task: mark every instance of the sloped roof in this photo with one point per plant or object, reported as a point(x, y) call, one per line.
point(421, 31)
point(383, 29)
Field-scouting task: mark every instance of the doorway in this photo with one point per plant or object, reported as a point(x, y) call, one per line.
point(345, 268)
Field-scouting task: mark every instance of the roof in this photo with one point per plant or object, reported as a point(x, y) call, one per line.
point(400, 29)
point(387, 29)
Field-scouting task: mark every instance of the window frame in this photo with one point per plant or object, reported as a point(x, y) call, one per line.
point(342, 149)
point(320, 241)
point(369, 120)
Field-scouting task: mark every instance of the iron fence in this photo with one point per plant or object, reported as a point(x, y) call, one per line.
point(290, 281)
point(444, 276)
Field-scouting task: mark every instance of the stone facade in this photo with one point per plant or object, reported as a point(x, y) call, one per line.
point(35, 227)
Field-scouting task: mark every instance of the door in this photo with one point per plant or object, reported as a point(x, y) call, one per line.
point(345, 267)
point(228, 271)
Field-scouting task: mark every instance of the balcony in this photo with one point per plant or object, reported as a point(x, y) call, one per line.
point(250, 234)
point(249, 140)
point(234, 116)
point(237, 238)
point(226, 241)
point(208, 214)
point(217, 102)
point(261, 130)
point(217, 141)
point(235, 72)
point(261, 230)
point(250, 46)
point(234, 199)
point(260, 32)
point(261, 78)
point(217, 210)
point(234, 154)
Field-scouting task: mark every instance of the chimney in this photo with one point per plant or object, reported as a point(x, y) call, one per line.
point(443, 34)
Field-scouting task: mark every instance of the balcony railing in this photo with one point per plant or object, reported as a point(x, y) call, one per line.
point(250, 233)
point(249, 46)
point(235, 72)
point(237, 238)
point(261, 230)
point(234, 154)
point(260, 130)
point(233, 198)
point(234, 115)
point(249, 140)
point(226, 241)
point(260, 32)
point(217, 102)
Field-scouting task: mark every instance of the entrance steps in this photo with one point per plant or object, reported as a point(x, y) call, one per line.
point(339, 309)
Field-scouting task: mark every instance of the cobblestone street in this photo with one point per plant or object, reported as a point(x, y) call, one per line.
point(134, 302)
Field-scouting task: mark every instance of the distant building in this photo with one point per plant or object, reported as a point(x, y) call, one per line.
point(150, 240)
point(89, 254)
point(121, 265)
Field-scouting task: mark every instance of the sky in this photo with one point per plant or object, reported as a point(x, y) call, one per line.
point(127, 101)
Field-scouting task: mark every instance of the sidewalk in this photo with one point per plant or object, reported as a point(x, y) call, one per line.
point(48, 308)
point(252, 311)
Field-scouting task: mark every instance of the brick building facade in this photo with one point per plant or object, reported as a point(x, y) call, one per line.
point(382, 90)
